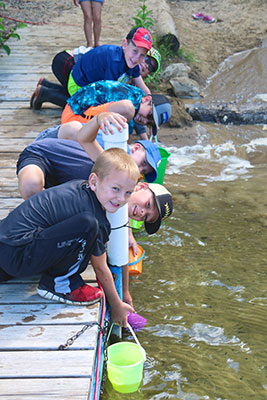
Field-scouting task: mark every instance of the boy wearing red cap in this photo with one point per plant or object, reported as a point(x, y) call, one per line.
point(107, 62)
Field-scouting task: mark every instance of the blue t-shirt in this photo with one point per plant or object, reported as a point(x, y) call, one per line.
point(63, 160)
point(105, 62)
point(105, 92)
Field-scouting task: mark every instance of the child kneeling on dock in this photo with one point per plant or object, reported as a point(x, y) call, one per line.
point(57, 231)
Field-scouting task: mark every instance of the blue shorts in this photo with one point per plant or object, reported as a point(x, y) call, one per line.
point(29, 158)
point(97, 1)
point(49, 133)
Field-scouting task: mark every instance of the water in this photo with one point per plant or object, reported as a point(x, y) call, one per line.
point(203, 286)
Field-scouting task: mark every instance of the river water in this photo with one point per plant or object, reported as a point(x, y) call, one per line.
point(203, 286)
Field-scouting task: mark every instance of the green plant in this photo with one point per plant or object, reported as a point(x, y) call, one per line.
point(4, 36)
point(187, 55)
point(143, 18)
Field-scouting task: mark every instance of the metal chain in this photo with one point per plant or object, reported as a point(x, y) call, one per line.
point(104, 370)
point(72, 339)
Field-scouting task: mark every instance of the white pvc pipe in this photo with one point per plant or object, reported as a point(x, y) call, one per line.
point(117, 248)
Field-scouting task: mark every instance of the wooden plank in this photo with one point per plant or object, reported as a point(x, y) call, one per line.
point(45, 337)
point(32, 327)
point(52, 364)
point(15, 145)
point(23, 130)
point(8, 160)
point(20, 293)
point(48, 116)
point(56, 314)
point(10, 203)
point(44, 389)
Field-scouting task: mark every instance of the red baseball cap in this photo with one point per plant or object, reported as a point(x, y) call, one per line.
point(141, 38)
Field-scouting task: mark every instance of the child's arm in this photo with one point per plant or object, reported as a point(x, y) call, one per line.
point(141, 84)
point(86, 134)
point(127, 298)
point(132, 242)
point(118, 308)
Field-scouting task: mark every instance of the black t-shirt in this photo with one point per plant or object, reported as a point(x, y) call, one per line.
point(50, 207)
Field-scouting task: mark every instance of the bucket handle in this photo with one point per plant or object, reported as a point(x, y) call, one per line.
point(134, 336)
point(137, 341)
point(139, 259)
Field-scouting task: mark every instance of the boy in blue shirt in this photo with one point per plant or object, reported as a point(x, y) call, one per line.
point(106, 62)
point(57, 231)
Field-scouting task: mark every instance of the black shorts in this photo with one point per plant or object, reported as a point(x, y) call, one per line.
point(29, 158)
point(61, 66)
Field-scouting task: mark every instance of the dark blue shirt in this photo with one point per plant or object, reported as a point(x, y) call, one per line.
point(105, 62)
point(63, 160)
point(51, 206)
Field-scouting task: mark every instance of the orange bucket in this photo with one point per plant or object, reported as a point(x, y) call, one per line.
point(135, 262)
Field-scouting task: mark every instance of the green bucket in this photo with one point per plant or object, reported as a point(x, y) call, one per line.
point(165, 154)
point(125, 365)
point(136, 225)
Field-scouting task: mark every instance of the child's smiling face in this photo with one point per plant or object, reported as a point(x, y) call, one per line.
point(114, 190)
point(133, 55)
point(142, 205)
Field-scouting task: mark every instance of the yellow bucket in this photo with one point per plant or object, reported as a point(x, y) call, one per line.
point(125, 365)
point(136, 262)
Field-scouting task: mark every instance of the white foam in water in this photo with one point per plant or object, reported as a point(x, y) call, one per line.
point(235, 168)
point(225, 154)
point(252, 145)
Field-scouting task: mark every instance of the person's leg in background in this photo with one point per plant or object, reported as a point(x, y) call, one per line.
point(86, 6)
point(92, 21)
point(97, 9)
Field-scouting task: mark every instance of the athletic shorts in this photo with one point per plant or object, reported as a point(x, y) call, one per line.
point(29, 158)
point(68, 115)
point(97, 1)
point(62, 65)
point(72, 85)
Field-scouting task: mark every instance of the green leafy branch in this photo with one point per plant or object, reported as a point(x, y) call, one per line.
point(4, 36)
point(143, 18)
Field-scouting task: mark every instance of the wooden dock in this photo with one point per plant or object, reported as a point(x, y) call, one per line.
point(32, 328)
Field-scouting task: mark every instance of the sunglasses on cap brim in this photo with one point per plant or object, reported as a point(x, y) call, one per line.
point(151, 67)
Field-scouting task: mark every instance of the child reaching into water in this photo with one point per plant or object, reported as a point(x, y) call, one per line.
point(57, 231)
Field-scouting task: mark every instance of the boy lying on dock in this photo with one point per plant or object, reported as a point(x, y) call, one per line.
point(56, 232)
point(49, 162)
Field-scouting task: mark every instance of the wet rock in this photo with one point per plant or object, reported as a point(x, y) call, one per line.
point(175, 70)
point(179, 116)
point(225, 115)
point(185, 88)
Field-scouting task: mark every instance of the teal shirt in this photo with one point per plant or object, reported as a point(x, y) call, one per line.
point(102, 92)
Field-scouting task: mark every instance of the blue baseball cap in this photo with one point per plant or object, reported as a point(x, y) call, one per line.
point(153, 158)
point(162, 111)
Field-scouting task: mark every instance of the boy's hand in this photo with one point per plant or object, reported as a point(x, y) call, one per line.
point(119, 314)
point(106, 118)
point(127, 298)
point(133, 243)
point(76, 3)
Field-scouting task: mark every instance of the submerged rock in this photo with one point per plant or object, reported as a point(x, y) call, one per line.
point(226, 115)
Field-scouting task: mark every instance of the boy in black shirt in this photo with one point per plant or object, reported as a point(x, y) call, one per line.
point(57, 231)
